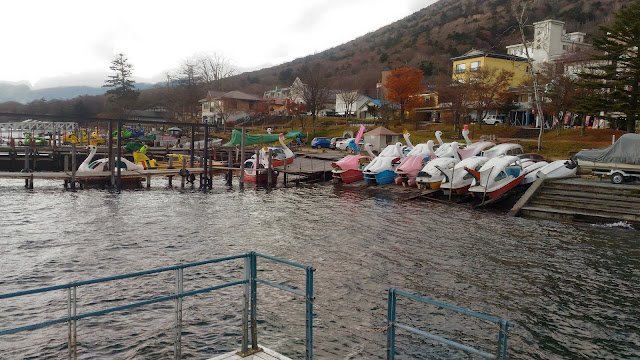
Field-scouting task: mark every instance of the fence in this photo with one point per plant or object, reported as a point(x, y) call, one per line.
point(249, 315)
point(392, 324)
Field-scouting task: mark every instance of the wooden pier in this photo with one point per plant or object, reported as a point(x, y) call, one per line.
point(265, 354)
point(89, 177)
point(580, 199)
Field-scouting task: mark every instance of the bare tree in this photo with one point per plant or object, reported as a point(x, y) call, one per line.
point(455, 96)
point(212, 68)
point(519, 11)
point(349, 98)
point(316, 93)
point(224, 111)
point(489, 88)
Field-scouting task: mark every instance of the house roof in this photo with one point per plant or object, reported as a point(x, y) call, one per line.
point(381, 131)
point(239, 95)
point(474, 53)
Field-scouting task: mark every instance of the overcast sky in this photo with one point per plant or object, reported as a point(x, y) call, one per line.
point(53, 43)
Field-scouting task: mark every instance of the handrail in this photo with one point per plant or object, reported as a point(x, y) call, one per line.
point(392, 324)
point(249, 281)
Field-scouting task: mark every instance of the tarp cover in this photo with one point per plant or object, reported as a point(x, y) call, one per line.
point(252, 139)
point(626, 150)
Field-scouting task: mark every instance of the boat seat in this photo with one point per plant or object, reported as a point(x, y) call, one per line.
point(515, 172)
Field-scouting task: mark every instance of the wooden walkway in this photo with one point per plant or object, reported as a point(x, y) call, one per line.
point(265, 354)
point(67, 176)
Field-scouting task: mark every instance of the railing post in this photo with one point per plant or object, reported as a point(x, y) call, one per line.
point(177, 336)
point(72, 342)
point(502, 339)
point(309, 312)
point(245, 308)
point(391, 330)
point(254, 300)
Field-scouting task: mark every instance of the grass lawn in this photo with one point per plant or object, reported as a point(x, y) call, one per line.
point(554, 146)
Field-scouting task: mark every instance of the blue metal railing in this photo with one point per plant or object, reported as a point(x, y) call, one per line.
point(392, 324)
point(249, 318)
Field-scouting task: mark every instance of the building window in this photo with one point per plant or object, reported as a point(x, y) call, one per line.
point(475, 65)
point(206, 105)
point(565, 47)
point(460, 68)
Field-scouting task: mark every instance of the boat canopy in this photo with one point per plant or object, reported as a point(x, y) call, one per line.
point(252, 139)
point(626, 150)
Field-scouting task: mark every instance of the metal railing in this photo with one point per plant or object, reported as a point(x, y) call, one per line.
point(392, 324)
point(249, 315)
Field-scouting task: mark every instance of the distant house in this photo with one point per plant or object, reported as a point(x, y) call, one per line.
point(218, 107)
point(293, 93)
point(363, 112)
point(353, 101)
point(473, 60)
point(380, 137)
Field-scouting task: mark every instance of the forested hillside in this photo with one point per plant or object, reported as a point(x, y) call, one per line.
point(428, 39)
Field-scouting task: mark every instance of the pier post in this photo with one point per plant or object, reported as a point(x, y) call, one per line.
point(183, 172)
point(177, 337)
point(245, 308)
point(66, 163)
point(119, 144)
point(391, 330)
point(193, 147)
point(27, 151)
point(112, 178)
point(242, 157)
point(205, 159)
point(270, 170)
point(309, 312)
point(74, 168)
point(149, 181)
point(254, 302)
point(230, 164)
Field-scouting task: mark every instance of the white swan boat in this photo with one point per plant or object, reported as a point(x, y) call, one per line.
point(431, 175)
point(415, 160)
point(558, 169)
point(458, 179)
point(103, 164)
point(381, 170)
point(496, 177)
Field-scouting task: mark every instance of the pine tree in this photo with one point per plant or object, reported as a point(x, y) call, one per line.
point(615, 75)
point(122, 92)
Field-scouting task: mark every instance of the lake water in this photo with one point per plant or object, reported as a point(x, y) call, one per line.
point(571, 290)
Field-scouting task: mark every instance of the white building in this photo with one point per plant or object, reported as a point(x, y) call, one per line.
point(351, 100)
point(550, 42)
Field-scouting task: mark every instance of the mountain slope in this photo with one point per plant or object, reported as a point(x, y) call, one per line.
point(427, 40)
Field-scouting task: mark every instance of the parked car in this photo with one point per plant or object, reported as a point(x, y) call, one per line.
point(332, 144)
point(320, 142)
point(494, 119)
point(344, 144)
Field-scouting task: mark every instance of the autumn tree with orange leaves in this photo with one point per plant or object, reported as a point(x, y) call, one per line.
point(404, 87)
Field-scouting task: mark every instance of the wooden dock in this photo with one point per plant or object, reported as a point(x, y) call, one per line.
point(67, 176)
point(582, 200)
point(265, 354)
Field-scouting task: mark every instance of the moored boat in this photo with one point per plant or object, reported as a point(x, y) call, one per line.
point(349, 169)
point(381, 170)
point(496, 177)
point(458, 179)
point(413, 163)
point(431, 175)
point(558, 169)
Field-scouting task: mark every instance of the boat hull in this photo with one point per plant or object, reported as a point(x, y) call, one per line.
point(260, 178)
point(380, 178)
point(494, 193)
point(348, 176)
